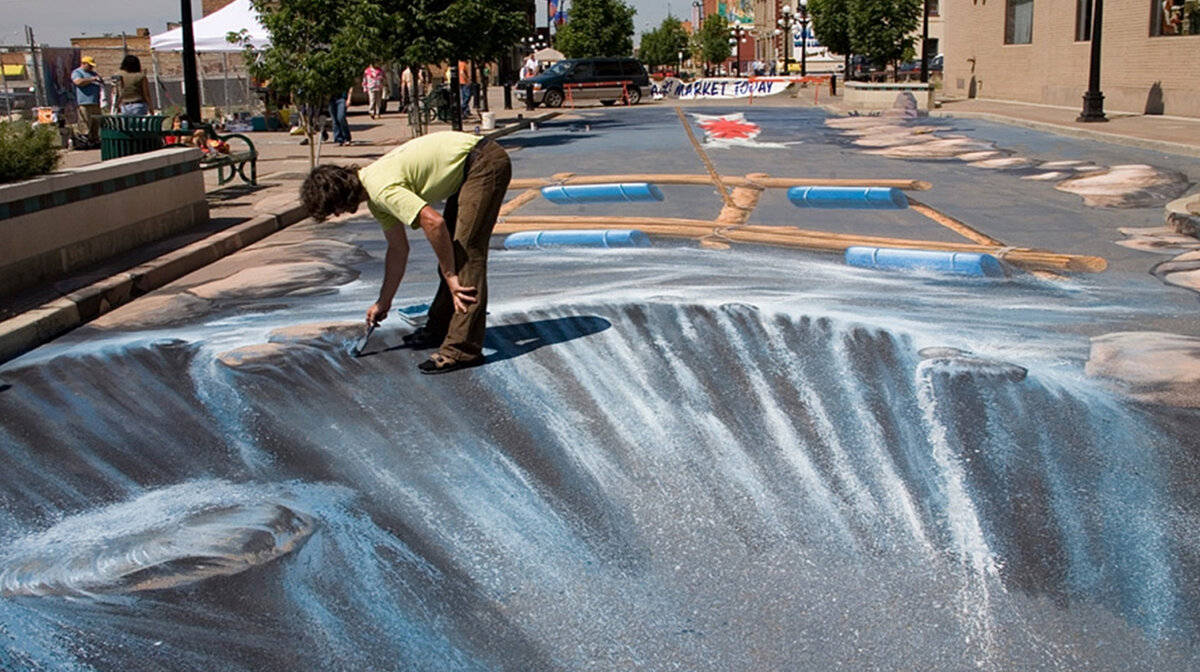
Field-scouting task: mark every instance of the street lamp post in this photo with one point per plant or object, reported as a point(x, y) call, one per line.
point(802, 10)
point(787, 24)
point(925, 43)
point(737, 35)
point(1093, 100)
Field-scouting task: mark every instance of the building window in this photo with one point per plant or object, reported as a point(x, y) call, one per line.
point(1174, 17)
point(1018, 23)
point(934, 8)
point(1083, 20)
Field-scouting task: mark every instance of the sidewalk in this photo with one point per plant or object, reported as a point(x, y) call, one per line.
point(242, 215)
point(1172, 135)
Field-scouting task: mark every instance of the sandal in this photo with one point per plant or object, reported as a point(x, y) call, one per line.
point(422, 339)
point(439, 363)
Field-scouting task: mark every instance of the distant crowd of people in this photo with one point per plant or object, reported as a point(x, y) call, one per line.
point(128, 92)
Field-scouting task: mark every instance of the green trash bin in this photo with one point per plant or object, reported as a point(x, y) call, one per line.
point(128, 134)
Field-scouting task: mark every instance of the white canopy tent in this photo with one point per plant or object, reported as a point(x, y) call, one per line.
point(211, 35)
point(548, 55)
point(211, 32)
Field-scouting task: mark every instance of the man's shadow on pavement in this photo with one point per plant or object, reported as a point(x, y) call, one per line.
point(514, 340)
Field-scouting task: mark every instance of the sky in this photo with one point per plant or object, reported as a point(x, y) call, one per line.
point(55, 22)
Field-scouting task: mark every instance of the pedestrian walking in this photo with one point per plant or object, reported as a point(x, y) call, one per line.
point(337, 114)
point(372, 83)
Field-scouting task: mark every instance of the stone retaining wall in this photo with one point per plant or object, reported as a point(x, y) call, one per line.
point(60, 223)
point(869, 96)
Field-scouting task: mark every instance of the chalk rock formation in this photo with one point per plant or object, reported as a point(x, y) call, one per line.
point(1151, 366)
point(154, 311)
point(1127, 186)
point(275, 280)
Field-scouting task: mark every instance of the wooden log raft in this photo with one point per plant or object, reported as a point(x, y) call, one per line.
point(789, 236)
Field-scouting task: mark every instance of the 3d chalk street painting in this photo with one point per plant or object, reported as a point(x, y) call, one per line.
point(727, 450)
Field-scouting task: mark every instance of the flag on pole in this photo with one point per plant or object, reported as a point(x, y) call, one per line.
point(551, 10)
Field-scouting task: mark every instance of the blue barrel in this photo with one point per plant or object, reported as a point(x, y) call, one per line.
point(576, 238)
point(848, 198)
point(566, 194)
point(961, 263)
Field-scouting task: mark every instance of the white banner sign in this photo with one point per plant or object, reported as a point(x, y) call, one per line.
point(720, 87)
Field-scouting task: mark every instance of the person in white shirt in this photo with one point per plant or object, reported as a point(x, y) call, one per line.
point(530, 69)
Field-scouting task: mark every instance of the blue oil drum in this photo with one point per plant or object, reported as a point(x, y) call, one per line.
point(566, 194)
point(848, 198)
point(576, 238)
point(958, 263)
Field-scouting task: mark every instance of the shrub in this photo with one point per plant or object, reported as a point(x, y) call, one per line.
point(26, 150)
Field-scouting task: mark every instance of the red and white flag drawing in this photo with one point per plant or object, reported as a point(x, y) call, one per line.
point(732, 130)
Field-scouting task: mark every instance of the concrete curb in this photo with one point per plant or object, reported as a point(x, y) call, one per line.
point(51, 320)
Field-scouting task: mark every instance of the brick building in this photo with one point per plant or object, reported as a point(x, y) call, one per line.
point(1039, 51)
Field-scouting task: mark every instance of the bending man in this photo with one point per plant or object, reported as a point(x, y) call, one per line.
point(471, 174)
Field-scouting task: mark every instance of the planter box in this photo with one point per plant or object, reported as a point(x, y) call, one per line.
point(868, 96)
point(66, 221)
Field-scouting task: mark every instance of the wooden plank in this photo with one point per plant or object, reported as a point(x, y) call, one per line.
point(1028, 259)
point(730, 181)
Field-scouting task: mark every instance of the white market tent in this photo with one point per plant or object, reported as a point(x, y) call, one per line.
point(211, 31)
point(548, 55)
point(211, 35)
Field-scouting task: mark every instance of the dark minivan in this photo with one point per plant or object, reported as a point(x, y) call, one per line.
point(605, 79)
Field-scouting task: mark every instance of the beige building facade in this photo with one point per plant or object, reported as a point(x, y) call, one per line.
point(1039, 51)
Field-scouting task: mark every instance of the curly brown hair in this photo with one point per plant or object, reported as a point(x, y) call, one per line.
point(331, 190)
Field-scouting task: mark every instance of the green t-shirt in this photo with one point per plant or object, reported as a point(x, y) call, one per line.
point(424, 170)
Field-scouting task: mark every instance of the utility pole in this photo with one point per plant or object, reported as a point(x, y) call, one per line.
point(39, 85)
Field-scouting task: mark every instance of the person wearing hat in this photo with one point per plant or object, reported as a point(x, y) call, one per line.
point(88, 87)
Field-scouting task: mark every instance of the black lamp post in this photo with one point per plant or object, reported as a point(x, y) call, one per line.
point(925, 44)
point(1093, 100)
point(802, 10)
point(737, 35)
point(191, 83)
point(787, 23)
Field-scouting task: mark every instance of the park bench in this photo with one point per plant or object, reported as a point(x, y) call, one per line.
point(125, 135)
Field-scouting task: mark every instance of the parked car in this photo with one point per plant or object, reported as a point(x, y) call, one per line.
point(912, 69)
point(605, 79)
point(864, 69)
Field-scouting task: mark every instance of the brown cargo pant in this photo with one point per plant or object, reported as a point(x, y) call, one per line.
point(471, 215)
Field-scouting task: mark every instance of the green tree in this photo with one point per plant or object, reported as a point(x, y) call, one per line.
point(318, 48)
point(432, 31)
point(713, 40)
point(435, 31)
point(663, 45)
point(831, 25)
point(882, 30)
point(597, 28)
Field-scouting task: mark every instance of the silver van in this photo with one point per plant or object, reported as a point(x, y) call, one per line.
point(605, 79)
